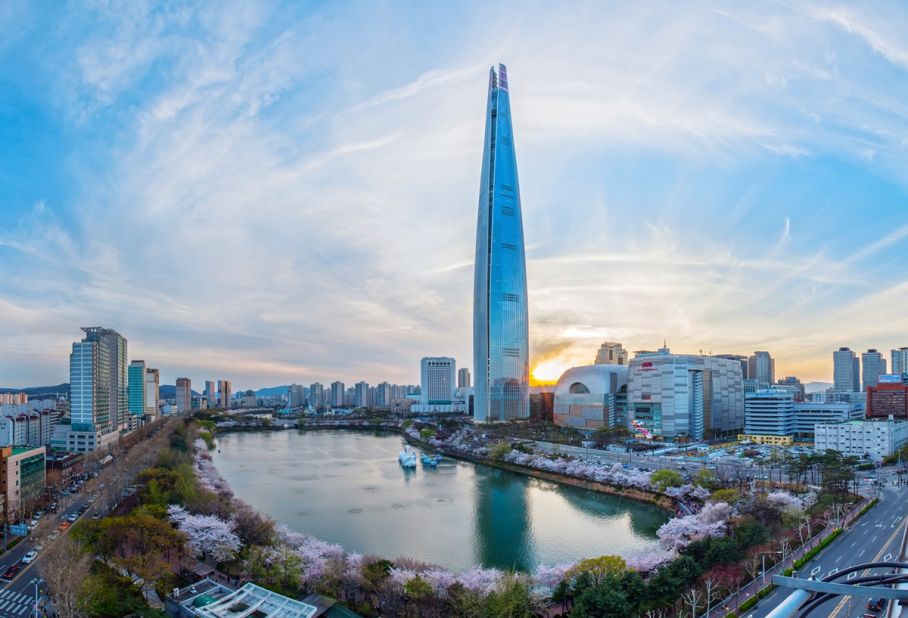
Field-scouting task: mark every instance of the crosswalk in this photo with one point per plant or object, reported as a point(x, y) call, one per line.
point(15, 604)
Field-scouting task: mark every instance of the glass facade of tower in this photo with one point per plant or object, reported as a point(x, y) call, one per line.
point(500, 329)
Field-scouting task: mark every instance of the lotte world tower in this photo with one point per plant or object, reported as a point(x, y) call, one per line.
point(500, 329)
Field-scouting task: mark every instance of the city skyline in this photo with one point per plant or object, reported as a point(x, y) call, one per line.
point(748, 195)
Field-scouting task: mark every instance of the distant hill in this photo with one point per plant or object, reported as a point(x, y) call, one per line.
point(40, 391)
point(817, 387)
point(271, 391)
point(169, 391)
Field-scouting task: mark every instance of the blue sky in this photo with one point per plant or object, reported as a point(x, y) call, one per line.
point(278, 192)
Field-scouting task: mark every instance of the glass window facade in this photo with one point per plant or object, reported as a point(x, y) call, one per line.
point(500, 325)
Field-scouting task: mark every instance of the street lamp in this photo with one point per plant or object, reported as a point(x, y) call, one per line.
point(763, 560)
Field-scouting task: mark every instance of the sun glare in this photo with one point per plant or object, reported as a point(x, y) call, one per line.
point(548, 371)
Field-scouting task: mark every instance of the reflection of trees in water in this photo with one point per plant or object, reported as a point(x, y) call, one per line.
point(645, 519)
point(502, 520)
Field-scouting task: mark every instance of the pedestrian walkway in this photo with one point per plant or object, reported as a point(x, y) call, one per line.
point(16, 604)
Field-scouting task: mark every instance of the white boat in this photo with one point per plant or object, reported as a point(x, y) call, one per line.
point(407, 458)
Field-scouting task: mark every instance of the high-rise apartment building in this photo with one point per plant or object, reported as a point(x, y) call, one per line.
point(136, 389)
point(211, 393)
point(225, 394)
point(316, 394)
point(184, 395)
point(382, 397)
point(463, 378)
point(762, 368)
point(337, 394)
point(362, 395)
point(295, 395)
point(611, 354)
point(899, 357)
point(873, 365)
point(500, 324)
point(846, 373)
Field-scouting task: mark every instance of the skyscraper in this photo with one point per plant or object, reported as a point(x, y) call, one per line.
point(225, 393)
point(762, 368)
point(899, 361)
point(98, 388)
point(316, 394)
point(184, 395)
point(337, 394)
point(152, 392)
point(873, 365)
point(137, 388)
point(437, 380)
point(362, 395)
point(846, 373)
point(211, 393)
point(500, 323)
point(463, 378)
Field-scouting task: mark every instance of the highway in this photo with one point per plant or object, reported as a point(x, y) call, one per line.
point(874, 536)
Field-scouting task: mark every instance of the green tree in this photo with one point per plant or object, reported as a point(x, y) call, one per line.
point(599, 568)
point(606, 600)
point(750, 533)
point(725, 495)
point(706, 478)
point(666, 478)
point(499, 450)
point(511, 599)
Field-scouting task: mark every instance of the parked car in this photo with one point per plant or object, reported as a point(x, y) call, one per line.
point(875, 605)
point(11, 571)
point(53, 535)
point(63, 526)
point(27, 558)
point(72, 517)
point(96, 516)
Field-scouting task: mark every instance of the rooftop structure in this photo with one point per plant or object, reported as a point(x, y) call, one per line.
point(208, 599)
point(592, 397)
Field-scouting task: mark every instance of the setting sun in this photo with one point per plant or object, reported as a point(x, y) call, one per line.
point(548, 371)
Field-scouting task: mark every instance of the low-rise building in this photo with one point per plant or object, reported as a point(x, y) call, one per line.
point(591, 397)
point(874, 439)
point(769, 414)
point(808, 414)
point(888, 398)
point(62, 468)
point(22, 478)
point(209, 599)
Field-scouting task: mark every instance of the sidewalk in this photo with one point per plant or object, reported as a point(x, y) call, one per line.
point(732, 602)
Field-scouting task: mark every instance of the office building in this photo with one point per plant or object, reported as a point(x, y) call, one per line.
point(542, 406)
point(899, 358)
point(438, 390)
point(808, 414)
point(361, 395)
point(225, 394)
point(183, 395)
point(793, 385)
point(675, 395)
point(745, 371)
point(337, 395)
point(152, 392)
point(846, 372)
point(98, 389)
point(22, 479)
point(463, 378)
point(762, 368)
point(500, 324)
point(769, 417)
point(136, 388)
point(872, 439)
point(211, 392)
point(611, 354)
point(316, 394)
point(591, 397)
point(888, 398)
point(873, 365)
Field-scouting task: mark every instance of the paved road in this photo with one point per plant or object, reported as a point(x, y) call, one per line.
point(17, 597)
point(875, 535)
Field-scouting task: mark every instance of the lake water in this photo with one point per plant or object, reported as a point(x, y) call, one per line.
point(348, 488)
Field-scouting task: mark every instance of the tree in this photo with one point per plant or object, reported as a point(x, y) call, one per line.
point(750, 533)
point(666, 478)
point(512, 598)
point(417, 589)
point(253, 528)
point(208, 535)
point(599, 568)
point(725, 495)
point(706, 478)
point(607, 599)
point(693, 597)
point(64, 567)
point(498, 451)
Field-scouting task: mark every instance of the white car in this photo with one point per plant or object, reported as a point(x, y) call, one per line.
point(27, 558)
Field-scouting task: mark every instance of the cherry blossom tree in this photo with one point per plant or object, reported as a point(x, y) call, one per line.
point(207, 534)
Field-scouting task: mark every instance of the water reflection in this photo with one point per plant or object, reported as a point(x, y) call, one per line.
point(348, 488)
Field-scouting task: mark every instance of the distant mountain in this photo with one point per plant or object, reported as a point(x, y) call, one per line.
point(271, 391)
point(817, 387)
point(169, 391)
point(40, 391)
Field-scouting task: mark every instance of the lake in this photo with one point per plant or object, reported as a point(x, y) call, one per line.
point(347, 487)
